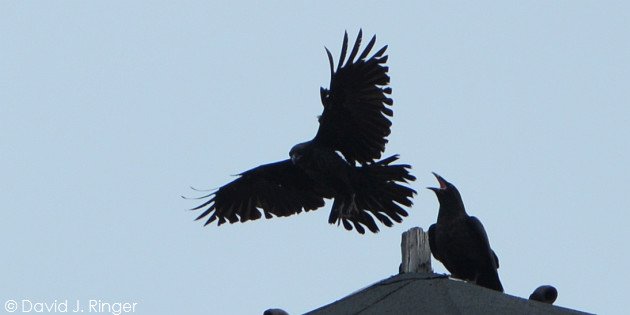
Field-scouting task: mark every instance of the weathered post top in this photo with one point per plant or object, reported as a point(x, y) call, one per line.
point(416, 253)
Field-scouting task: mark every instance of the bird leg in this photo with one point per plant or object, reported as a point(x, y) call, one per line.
point(348, 212)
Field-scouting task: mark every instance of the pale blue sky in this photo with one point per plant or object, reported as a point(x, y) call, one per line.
point(110, 110)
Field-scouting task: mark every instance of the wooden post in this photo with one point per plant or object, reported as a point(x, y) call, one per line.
point(416, 253)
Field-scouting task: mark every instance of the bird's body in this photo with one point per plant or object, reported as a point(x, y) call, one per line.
point(353, 130)
point(329, 171)
point(460, 242)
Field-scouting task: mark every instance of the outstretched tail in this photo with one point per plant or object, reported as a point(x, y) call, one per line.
point(377, 192)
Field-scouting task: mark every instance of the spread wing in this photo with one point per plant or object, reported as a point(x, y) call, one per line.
point(354, 120)
point(278, 189)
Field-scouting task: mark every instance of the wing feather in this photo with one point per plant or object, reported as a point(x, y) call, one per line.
point(344, 48)
point(355, 49)
point(331, 62)
point(278, 189)
point(482, 244)
point(355, 117)
point(368, 48)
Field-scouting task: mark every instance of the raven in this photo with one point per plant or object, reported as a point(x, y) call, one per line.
point(352, 130)
point(460, 242)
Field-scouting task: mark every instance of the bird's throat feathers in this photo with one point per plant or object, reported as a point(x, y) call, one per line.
point(451, 209)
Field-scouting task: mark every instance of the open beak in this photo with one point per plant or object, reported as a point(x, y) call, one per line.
point(440, 180)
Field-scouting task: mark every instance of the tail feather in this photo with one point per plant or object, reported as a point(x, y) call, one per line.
point(490, 280)
point(377, 193)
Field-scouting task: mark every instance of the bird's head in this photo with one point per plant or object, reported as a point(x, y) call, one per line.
point(298, 151)
point(447, 193)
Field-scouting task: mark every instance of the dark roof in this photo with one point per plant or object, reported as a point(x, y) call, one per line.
point(424, 293)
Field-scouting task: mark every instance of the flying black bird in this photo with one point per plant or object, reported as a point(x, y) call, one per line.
point(353, 123)
point(460, 242)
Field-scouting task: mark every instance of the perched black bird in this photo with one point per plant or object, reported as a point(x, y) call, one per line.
point(460, 242)
point(353, 123)
point(544, 293)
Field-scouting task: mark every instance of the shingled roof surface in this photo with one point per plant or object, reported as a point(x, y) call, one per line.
point(422, 293)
